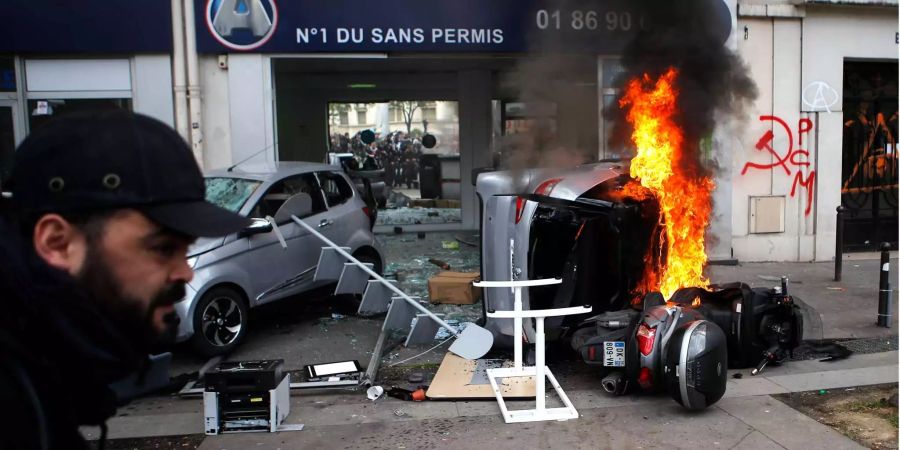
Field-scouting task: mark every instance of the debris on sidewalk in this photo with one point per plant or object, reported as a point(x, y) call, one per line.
point(454, 288)
point(443, 333)
point(450, 245)
point(408, 258)
point(417, 395)
point(439, 263)
point(453, 380)
point(374, 392)
point(412, 214)
point(416, 377)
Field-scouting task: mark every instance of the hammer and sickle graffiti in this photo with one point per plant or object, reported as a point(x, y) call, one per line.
point(795, 158)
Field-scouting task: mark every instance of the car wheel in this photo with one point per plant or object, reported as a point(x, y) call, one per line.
point(220, 321)
point(368, 258)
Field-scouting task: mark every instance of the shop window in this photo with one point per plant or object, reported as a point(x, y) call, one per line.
point(42, 111)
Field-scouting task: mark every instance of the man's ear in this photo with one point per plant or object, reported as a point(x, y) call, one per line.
point(59, 243)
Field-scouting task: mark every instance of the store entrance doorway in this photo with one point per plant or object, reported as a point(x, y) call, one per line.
point(322, 105)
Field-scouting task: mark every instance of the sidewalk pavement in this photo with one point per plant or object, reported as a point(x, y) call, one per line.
point(846, 309)
point(747, 417)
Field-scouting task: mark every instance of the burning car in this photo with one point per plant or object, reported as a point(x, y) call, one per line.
point(628, 240)
point(603, 236)
point(545, 223)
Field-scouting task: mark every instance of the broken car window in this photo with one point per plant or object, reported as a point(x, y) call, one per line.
point(335, 187)
point(230, 193)
point(281, 191)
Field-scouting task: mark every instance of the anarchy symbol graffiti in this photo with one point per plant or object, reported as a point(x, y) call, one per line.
point(818, 95)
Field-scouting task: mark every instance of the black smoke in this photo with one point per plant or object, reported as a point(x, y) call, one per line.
point(561, 69)
point(713, 81)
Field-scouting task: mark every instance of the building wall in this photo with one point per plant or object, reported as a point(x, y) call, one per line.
point(152, 86)
point(216, 114)
point(789, 49)
point(248, 99)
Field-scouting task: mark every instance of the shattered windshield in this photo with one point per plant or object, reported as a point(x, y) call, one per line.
point(230, 193)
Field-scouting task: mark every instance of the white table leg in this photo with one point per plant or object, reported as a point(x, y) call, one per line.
point(517, 324)
point(539, 378)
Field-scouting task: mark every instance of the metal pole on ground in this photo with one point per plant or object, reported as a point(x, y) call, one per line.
point(839, 244)
point(884, 287)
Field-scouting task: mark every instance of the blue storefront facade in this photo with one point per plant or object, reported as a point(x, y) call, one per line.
point(259, 81)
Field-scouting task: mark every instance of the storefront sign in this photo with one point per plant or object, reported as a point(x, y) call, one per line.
point(502, 26)
point(308, 26)
point(86, 26)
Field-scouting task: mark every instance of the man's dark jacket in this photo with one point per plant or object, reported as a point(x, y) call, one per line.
point(58, 353)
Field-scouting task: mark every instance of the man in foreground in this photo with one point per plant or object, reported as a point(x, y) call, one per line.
point(93, 245)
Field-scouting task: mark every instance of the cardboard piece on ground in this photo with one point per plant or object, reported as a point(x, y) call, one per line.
point(453, 377)
point(454, 288)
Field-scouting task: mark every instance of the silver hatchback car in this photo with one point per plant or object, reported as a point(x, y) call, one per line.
point(561, 223)
point(250, 268)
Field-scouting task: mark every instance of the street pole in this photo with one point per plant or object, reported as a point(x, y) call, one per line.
point(884, 287)
point(839, 244)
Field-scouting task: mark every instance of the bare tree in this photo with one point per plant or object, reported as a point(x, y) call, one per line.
point(407, 109)
point(336, 111)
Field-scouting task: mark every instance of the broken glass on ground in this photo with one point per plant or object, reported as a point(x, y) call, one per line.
point(414, 216)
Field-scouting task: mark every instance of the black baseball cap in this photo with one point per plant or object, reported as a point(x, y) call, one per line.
point(116, 159)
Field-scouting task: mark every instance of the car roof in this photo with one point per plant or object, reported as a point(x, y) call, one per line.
point(272, 170)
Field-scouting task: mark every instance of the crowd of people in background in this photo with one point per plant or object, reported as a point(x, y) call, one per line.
point(398, 153)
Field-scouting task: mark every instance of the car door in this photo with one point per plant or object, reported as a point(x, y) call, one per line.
point(276, 271)
point(344, 215)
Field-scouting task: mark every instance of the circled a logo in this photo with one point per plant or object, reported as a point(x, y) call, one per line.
point(241, 24)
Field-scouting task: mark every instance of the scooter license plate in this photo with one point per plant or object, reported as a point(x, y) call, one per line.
point(614, 354)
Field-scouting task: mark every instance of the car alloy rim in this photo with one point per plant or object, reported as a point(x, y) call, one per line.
point(222, 321)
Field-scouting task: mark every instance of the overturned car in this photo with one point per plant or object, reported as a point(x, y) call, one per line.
point(560, 223)
point(589, 227)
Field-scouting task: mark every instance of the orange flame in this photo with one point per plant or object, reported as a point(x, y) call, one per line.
point(684, 200)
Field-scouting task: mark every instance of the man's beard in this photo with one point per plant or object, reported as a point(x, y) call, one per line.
point(126, 313)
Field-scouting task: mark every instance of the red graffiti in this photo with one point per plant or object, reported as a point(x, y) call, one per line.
point(792, 158)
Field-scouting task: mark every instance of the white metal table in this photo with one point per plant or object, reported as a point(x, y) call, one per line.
point(539, 371)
